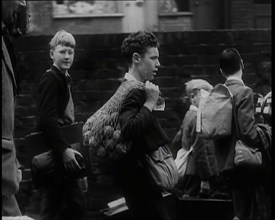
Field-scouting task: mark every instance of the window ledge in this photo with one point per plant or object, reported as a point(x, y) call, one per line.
point(175, 14)
point(88, 16)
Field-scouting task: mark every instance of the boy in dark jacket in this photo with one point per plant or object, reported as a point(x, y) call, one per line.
point(62, 198)
point(139, 124)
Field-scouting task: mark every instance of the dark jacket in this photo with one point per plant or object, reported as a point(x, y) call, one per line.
point(10, 181)
point(139, 125)
point(53, 99)
point(244, 112)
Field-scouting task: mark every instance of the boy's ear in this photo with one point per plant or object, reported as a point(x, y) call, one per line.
point(242, 64)
point(51, 53)
point(222, 73)
point(136, 58)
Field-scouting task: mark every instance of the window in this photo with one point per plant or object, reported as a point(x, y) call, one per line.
point(72, 8)
point(262, 1)
point(170, 6)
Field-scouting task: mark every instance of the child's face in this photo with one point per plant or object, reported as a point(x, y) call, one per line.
point(62, 57)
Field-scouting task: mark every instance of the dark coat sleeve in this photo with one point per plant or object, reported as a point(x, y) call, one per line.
point(135, 119)
point(139, 124)
point(48, 112)
point(245, 117)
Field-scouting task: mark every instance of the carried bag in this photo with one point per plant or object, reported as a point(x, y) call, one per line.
point(182, 161)
point(244, 155)
point(162, 168)
point(101, 132)
point(214, 115)
point(46, 165)
point(46, 168)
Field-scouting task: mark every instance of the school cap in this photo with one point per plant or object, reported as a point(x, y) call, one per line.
point(197, 84)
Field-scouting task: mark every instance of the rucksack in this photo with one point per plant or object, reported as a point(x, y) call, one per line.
point(214, 115)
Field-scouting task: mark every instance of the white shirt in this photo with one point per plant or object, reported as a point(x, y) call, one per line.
point(235, 78)
point(193, 107)
point(129, 76)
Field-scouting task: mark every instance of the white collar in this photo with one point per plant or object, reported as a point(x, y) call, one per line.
point(129, 76)
point(192, 107)
point(235, 78)
point(66, 73)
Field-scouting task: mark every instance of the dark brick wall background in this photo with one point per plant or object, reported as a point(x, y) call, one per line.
point(99, 67)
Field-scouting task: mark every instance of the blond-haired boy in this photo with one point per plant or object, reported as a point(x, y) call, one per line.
point(56, 109)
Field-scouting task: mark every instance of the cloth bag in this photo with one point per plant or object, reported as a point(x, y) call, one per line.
point(246, 156)
point(162, 168)
point(182, 161)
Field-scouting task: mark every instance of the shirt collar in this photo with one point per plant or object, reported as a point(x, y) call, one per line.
point(129, 77)
point(235, 78)
point(66, 73)
point(192, 107)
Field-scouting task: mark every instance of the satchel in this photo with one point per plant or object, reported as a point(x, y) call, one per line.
point(247, 156)
point(48, 167)
point(162, 168)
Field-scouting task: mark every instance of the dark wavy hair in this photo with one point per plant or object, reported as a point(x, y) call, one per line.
point(230, 61)
point(137, 42)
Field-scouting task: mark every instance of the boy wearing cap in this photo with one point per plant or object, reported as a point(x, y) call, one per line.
point(202, 165)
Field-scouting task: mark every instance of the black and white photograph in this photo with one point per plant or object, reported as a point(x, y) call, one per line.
point(136, 110)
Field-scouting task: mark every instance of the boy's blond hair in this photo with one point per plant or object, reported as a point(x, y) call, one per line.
point(196, 84)
point(63, 38)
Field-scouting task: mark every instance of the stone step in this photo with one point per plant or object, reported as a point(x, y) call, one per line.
point(187, 209)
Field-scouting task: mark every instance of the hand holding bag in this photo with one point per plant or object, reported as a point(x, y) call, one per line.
point(162, 168)
point(48, 167)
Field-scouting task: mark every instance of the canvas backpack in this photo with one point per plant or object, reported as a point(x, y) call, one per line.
point(214, 115)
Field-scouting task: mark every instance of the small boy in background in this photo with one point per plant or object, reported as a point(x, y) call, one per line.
point(201, 176)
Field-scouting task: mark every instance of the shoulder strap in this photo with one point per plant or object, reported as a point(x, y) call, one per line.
point(236, 125)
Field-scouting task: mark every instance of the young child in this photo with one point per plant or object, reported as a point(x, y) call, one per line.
point(62, 198)
point(202, 165)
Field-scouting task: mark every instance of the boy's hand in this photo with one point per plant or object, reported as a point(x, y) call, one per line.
point(152, 94)
point(69, 159)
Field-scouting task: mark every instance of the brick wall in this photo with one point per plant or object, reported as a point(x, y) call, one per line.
point(242, 13)
point(98, 69)
point(246, 14)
